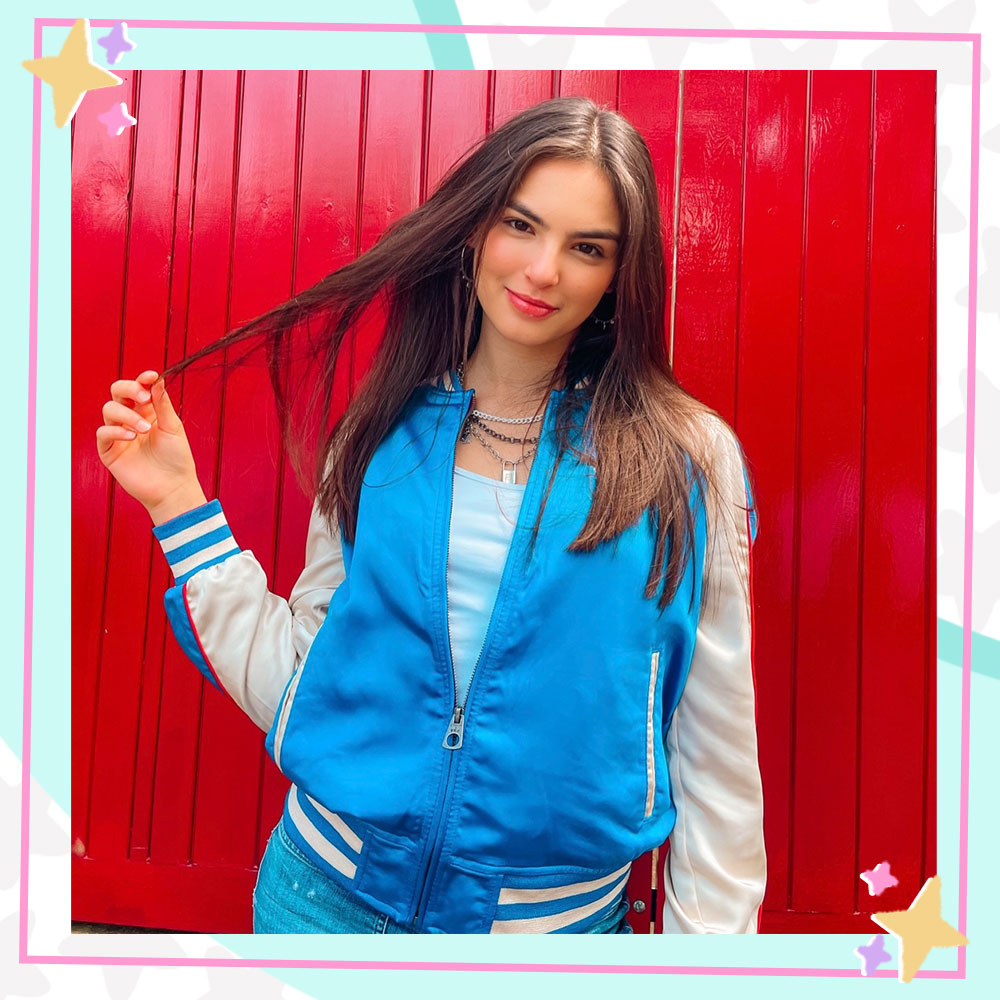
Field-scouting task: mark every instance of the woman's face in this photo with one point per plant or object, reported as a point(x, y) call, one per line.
point(552, 255)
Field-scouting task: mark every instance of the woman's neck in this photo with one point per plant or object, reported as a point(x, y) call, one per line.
point(509, 379)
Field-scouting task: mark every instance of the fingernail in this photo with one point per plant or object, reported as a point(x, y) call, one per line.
point(143, 425)
point(143, 396)
point(129, 434)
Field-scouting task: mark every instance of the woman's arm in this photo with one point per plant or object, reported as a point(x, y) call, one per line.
point(244, 639)
point(716, 867)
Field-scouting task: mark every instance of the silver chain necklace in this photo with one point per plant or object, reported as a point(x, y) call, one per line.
point(508, 467)
point(491, 416)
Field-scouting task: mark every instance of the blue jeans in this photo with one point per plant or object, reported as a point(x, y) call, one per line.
point(293, 896)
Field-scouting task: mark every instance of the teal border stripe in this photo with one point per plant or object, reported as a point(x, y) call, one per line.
point(449, 51)
point(985, 650)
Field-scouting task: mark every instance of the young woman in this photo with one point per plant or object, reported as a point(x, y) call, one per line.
point(518, 656)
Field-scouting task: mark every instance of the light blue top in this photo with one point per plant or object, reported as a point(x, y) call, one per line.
point(484, 512)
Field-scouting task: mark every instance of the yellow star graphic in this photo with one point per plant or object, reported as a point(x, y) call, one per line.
point(919, 928)
point(71, 73)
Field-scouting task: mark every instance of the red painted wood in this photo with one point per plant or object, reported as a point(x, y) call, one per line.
point(165, 897)
point(160, 577)
point(649, 99)
point(130, 550)
point(898, 569)
point(708, 239)
point(459, 114)
point(773, 327)
point(767, 400)
point(394, 141)
point(327, 210)
point(828, 489)
point(99, 221)
point(515, 90)
point(600, 85)
point(197, 394)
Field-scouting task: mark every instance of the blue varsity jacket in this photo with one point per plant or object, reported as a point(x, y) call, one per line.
point(594, 725)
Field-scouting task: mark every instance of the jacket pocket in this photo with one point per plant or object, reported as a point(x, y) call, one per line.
point(283, 712)
point(654, 666)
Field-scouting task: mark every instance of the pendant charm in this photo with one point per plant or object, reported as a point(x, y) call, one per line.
point(464, 436)
point(508, 472)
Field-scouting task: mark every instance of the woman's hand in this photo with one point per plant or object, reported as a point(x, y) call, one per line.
point(143, 445)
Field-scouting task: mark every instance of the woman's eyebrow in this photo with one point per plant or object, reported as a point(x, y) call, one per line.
point(593, 234)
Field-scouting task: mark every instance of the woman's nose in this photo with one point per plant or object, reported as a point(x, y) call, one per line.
point(543, 267)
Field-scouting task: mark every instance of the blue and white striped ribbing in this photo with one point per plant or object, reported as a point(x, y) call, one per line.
point(195, 539)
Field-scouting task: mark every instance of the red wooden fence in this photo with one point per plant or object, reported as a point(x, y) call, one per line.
point(798, 215)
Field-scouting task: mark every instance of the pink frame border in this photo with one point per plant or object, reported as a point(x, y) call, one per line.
point(960, 972)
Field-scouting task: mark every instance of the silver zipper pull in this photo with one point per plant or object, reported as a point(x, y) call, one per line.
point(453, 738)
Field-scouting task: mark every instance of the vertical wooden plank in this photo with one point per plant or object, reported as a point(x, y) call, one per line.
point(230, 749)
point(515, 90)
point(648, 99)
point(829, 471)
point(459, 104)
point(101, 171)
point(767, 405)
point(709, 236)
point(130, 543)
point(326, 219)
point(897, 647)
point(394, 144)
point(160, 577)
point(600, 85)
point(198, 395)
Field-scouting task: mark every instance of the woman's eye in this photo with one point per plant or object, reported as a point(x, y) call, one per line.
point(515, 223)
point(590, 250)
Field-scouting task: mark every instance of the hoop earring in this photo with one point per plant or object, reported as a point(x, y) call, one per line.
point(466, 278)
point(604, 323)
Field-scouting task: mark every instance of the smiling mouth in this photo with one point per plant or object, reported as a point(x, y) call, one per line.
point(530, 307)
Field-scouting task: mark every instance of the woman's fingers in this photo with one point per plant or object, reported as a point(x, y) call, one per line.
point(109, 434)
point(118, 414)
point(126, 391)
point(166, 416)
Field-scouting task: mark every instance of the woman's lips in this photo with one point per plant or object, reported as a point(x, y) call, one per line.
point(527, 307)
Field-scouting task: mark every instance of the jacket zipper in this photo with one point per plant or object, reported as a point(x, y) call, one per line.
point(456, 727)
point(455, 734)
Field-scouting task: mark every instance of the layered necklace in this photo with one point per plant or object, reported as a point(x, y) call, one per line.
point(475, 425)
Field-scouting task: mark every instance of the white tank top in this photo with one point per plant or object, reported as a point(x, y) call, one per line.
point(484, 512)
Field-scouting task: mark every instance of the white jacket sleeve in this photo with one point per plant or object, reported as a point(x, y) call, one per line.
point(244, 639)
point(716, 867)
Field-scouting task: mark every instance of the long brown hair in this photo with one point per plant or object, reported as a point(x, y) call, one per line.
point(647, 437)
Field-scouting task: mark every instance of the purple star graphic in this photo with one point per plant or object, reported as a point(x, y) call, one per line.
point(872, 955)
point(116, 43)
point(116, 119)
point(879, 879)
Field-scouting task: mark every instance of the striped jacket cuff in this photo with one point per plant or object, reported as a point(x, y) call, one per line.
point(196, 539)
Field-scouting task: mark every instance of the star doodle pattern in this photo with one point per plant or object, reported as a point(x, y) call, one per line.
point(953, 64)
point(919, 928)
point(116, 43)
point(116, 119)
point(815, 53)
point(71, 73)
point(985, 578)
point(879, 879)
point(872, 955)
point(667, 50)
point(951, 436)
